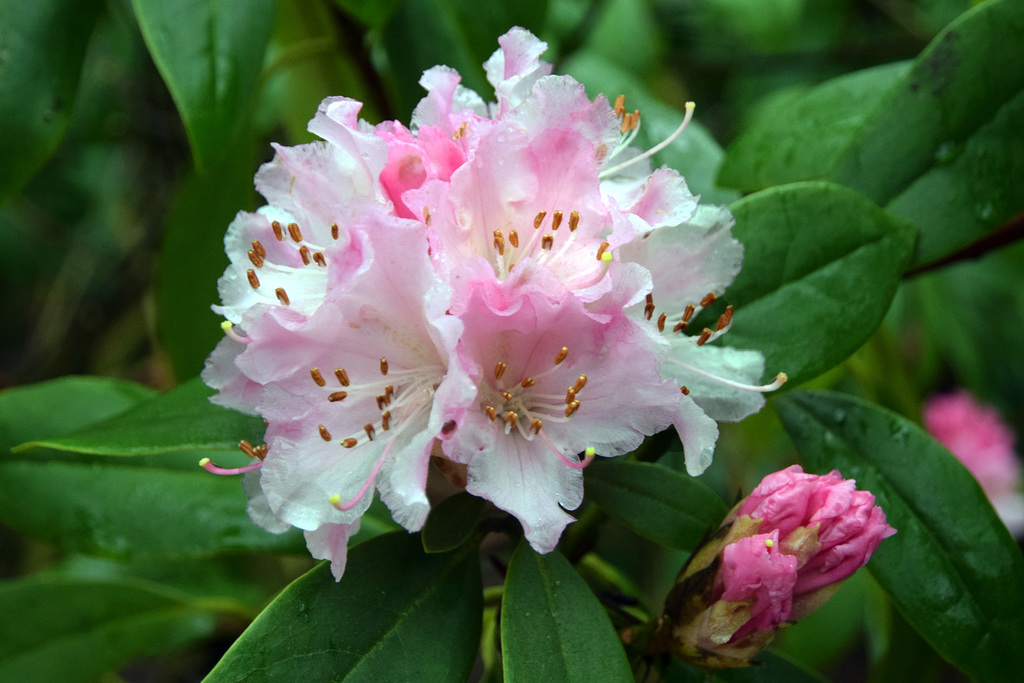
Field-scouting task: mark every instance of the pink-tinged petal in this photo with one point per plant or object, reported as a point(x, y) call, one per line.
point(359, 152)
point(753, 569)
point(445, 97)
point(258, 507)
point(515, 67)
point(330, 542)
point(712, 373)
point(698, 432)
point(561, 103)
point(234, 389)
point(413, 161)
point(662, 200)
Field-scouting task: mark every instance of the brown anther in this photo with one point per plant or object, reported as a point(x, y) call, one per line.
point(684, 390)
point(317, 377)
point(635, 120)
point(349, 443)
point(661, 322)
point(389, 391)
point(370, 431)
point(324, 434)
point(511, 419)
point(574, 221)
point(680, 326)
point(461, 131)
point(304, 253)
point(688, 312)
point(513, 239)
point(385, 420)
point(342, 376)
point(620, 105)
point(246, 448)
point(507, 395)
point(603, 248)
point(556, 220)
point(627, 122)
point(294, 232)
point(536, 425)
point(334, 231)
point(724, 319)
point(704, 336)
point(491, 413)
point(426, 215)
point(499, 242)
point(255, 258)
point(282, 296)
point(382, 401)
point(572, 408)
point(539, 218)
point(570, 396)
point(650, 299)
point(547, 241)
point(560, 356)
point(648, 309)
point(709, 299)
point(257, 246)
point(278, 232)
point(318, 258)
point(260, 451)
point(254, 281)
point(499, 369)
point(581, 382)
point(336, 396)
point(383, 366)
point(527, 383)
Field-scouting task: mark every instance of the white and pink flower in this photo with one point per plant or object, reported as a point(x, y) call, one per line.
point(506, 285)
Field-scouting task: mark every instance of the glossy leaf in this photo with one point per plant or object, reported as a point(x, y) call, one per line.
point(396, 615)
point(821, 265)
point(769, 667)
point(210, 54)
point(952, 569)
point(451, 522)
point(124, 511)
point(181, 419)
point(42, 47)
point(66, 629)
point(657, 502)
point(373, 13)
point(552, 626)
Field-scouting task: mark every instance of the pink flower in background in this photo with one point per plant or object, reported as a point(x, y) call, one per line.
point(508, 286)
point(978, 437)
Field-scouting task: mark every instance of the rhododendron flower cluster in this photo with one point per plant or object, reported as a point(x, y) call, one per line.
point(779, 555)
point(505, 286)
point(979, 438)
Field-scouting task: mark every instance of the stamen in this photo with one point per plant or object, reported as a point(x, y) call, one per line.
point(336, 396)
point(254, 281)
point(370, 431)
point(385, 420)
point(382, 401)
point(213, 469)
point(513, 238)
point(776, 383)
point(539, 218)
point(294, 232)
point(580, 383)
point(334, 231)
point(653, 150)
point(688, 312)
point(507, 395)
point(570, 396)
point(547, 241)
point(601, 250)
point(255, 258)
point(572, 408)
point(560, 356)
point(627, 120)
point(491, 413)
point(317, 377)
point(318, 258)
point(724, 319)
point(499, 369)
point(278, 233)
point(247, 448)
point(461, 131)
point(556, 220)
point(661, 322)
point(685, 391)
point(342, 376)
point(528, 382)
point(574, 221)
point(704, 336)
point(257, 246)
point(349, 443)
point(383, 366)
point(335, 500)
point(535, 426)
point(282, 295)
point(389, 391)
point(324, 434)
point(511, 420)
point(426, 215)
point(620, 105)
point(649, 307)
point(499, 242)
point(304, 253)
point(229, 330)
point(709, 299)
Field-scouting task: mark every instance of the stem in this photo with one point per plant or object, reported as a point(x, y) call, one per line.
point(1006, 234)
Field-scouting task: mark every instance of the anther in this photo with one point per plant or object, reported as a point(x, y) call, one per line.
point(661, 322)
point(385, 420)
point(293, 230)
point(461, 131)
point(547, 241)
point(255, 258)
point(342, 376)
point(574, 221)
point(383, 366)
point(570, 396)
point(370, 431)
point(499, 242)
point(627, 122)
point(304, 253)
point(254, 281)
point(539, 218)
point(680, 326)
point(491, 412)
point(600, 251)
point(334, 231)
point(635, 120)
point(685, 391)
point(318, 258)
point(507, 395)
point(709, 299)
point(535, 426)
point(336, 396)
point(620, 105)
point(511, 419)
point(258, 248)
point(513, 238)
point(426, 215)
point(349, 443)
point(324, 434)
point(382, 401)
point(260, 451)
point(389, 391)
point(556, 220)
point(528, 382)
point(560, 356)
point(278, 233)
point(317, 377)
point(282, 296)
point(572, 408)
point(688, 312)
point(499, 369)
point(724, 319)
point(580, 383)
point(704, 336)
point(649, 307)
point(246, 448)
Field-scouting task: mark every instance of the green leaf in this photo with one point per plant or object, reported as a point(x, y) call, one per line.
point(952, 569)
point(124, 511)
point(820, 267)
point(657, 502)
point(770, 667)
point(695, 154)
point(210, 54)
point(451, 522)
point(396, 615)
point(181, 419)
point(42, 47)
point(65, 629)
point(373, 13)
point(552, 626)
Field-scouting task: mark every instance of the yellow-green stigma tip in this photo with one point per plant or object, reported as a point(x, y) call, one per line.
point(769, 543)
point(606, 257)
point(204, 462)
point(590, 452)
point(226, 325)
point(334, 500)
point(690, 105)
